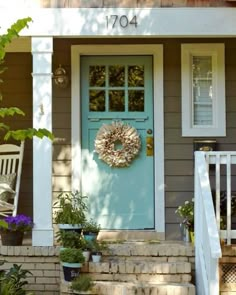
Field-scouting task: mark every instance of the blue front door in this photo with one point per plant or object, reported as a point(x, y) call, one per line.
point(118, 89)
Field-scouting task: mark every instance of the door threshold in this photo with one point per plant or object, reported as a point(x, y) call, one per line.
point(129, 235)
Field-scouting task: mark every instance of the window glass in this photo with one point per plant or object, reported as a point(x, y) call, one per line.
point(202, 90)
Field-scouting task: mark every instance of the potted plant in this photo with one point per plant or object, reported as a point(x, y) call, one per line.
point(72, 260)
point(68, 239)
point(13, 228)
point(86, 247)
point(97, 248)
point(82, 285)
point(71, 212)
point(186, 212)
point(91, 229)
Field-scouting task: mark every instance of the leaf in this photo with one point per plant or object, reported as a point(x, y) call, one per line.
point(3, 224)
point(29, 133)
point(12, 33)
point(11, 111)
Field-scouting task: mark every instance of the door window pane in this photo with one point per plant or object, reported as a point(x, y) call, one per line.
point(136, 76)
point(136, 100)
point(97, 76)
point(116, 76)
point(116, 101)
point(97, 101)
point(202, 90)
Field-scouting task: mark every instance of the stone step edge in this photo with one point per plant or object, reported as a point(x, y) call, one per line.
point(65, 284)
point(114, 267)
point(118, 288)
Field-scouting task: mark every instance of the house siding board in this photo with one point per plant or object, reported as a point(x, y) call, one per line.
point(178, 149)
point(17, 91)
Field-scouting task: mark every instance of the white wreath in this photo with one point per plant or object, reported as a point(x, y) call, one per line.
point(111, 134)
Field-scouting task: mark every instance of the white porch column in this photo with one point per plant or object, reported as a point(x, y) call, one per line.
point(42, 148)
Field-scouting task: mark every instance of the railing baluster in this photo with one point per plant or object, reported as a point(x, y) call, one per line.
point(217, 196)
point(228, 180)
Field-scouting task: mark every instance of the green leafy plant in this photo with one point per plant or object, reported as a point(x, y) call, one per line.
point(72, 255)
point(19, 134)
point(98, 246)
point(72, 208)
point(91, 226)
point(69, 239)
point(82, 283)
point(13, 281)
point(186, 211)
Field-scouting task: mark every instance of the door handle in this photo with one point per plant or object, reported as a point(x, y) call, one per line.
point(149, 146)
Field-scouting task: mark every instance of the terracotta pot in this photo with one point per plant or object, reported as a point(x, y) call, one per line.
point(12, 238)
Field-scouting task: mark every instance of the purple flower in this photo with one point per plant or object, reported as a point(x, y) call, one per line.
point(19, 222)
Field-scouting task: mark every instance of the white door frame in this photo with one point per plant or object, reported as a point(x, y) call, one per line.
point(157, 52)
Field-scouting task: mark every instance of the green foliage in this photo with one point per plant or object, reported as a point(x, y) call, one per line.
point(69, 238)
point(72, 255)
point(12, 33)
point(186, 211)
point(98, 246)
point(5, 39)
point(82, 283)
point(72, 208)
point(29, 133)
point(13, 281)
point(91, 226)
point(85, 244)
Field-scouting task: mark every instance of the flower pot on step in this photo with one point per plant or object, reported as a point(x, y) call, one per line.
point(86, 254)
point(96, 257)
point(12, 238)
point(71, 270)
point(70, 227)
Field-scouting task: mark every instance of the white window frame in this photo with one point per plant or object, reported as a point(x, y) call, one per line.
point(218, 127)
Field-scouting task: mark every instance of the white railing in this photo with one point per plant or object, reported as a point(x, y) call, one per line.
point(222, 164)
point(207, 241)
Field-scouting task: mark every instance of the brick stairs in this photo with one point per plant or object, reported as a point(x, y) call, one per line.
point(142, 268)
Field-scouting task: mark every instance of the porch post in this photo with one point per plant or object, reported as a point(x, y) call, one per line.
point(42, 148)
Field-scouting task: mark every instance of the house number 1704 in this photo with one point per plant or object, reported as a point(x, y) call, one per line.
point(122, 21)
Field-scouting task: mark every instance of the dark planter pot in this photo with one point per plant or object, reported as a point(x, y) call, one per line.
point(14, 238)
point(90, 236)
point(69, 227)
point(71, 270)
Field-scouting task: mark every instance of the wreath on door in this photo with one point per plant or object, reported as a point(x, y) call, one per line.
point(117, 144)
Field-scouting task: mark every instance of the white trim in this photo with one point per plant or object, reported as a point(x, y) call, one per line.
point(218, 127)
point(42, 148)
point(157, 52)
point(152, 22)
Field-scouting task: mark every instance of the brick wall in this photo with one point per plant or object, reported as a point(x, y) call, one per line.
point(42, 262)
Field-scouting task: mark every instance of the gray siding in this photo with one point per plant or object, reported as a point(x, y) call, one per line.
point(17, 91)
point(178, 150)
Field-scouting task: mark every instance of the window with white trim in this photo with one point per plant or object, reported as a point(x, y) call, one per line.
point(203, 90)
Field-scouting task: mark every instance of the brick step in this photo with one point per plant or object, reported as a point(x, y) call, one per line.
point(158, 278)
point(139, 271)
point(119, 288)
point(150, 249)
